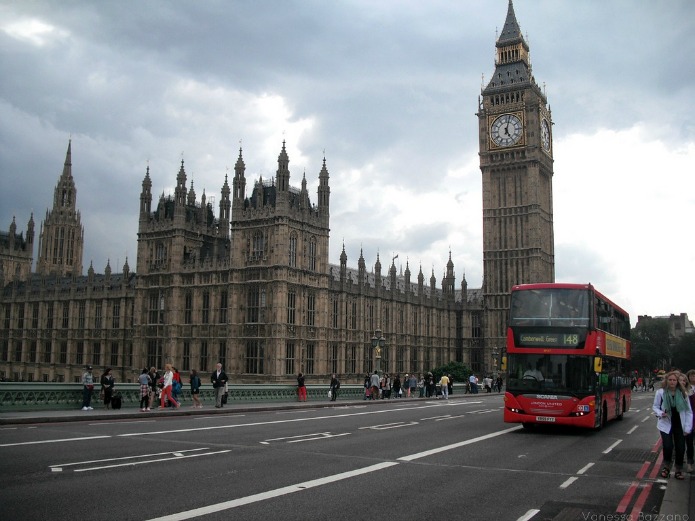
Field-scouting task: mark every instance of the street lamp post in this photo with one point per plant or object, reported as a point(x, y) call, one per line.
point(378, 343)
point(495, 352)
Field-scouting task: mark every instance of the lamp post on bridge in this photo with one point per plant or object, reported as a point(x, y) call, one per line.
point(495, 352)
point(378, 343)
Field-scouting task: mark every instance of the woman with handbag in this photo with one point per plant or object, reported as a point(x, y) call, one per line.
point(675, 421)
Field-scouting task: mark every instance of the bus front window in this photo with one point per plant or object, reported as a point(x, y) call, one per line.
point(557, 374)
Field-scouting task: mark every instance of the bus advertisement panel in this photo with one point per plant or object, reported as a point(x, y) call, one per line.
point(568, 353)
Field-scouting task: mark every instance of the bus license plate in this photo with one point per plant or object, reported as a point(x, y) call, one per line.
point(549, 419)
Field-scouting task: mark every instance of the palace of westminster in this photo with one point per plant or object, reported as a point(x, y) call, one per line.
point(250, 284)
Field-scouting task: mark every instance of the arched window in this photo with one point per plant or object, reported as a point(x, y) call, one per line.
point(312, 254)
point(293, 251)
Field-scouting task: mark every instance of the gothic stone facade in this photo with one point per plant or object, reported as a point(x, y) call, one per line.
point(252, 285)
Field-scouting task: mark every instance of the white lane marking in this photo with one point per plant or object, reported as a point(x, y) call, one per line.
point(528, 515)
point(219, 417)
point(305, 437)
point(456, 445)
point(321, 437)
point(585, 468)
point(426, 406)
point(394, 425)
point(450, 417)
point(88, 462)
point(633, 429)
point(434, 418)
point(226, 505)
point(298, 436)
point(52, 441)
point(121, 422)
point(612, 446)
point(569, 482)
point(647, 418)
point(133, 463)
point(271, 422)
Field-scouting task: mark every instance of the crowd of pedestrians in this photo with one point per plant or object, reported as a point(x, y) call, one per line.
point(163, 390)
point(157, 390)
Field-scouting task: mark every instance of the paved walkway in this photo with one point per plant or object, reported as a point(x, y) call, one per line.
point(678, 503)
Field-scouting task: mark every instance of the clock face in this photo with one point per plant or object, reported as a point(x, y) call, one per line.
point(506, 130)
point(545, 135)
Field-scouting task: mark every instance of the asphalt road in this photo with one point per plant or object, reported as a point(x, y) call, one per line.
point(404, 460)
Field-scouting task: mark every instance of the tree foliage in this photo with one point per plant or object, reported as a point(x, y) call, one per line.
point(684, 353)
point(651, 345)
point(458, 371)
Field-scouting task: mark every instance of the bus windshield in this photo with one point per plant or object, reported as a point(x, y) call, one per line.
point(550, 307)
point(551, 374)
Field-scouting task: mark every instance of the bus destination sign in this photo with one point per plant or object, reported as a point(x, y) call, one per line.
point(549, 340)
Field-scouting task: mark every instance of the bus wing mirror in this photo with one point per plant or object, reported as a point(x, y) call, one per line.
point(598, 364)
point(503, 365)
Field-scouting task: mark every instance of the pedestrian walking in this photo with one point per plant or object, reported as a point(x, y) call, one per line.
point(334, 386)
point(219, 383)
point(499, 384)
point(301, 388)
point(444, 383)
point(397, 391)
point(168, 380)
point(675, 420)
point(154, 387)
point(195, 389)
point(176, 384)
point(689, 445)
point(374, 383)
point(107, 384)
point(144, 381)
point(87, 389)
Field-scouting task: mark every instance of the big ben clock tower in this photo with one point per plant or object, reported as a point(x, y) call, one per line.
point(516, 161)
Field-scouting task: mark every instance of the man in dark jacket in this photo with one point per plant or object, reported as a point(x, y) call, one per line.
point(219, 380)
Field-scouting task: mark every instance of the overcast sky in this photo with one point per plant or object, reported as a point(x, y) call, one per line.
point(388, 92)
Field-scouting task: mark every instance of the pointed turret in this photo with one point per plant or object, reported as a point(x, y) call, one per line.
point(513, 63)
point(282, 178)
point(61, 237)
point(225, 209)
point(361, 269)
point(180, 191)
point(324, 192)
point(239, 178)
point(146, 195)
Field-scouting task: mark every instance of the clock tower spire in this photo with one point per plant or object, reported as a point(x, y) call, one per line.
point(516, 161)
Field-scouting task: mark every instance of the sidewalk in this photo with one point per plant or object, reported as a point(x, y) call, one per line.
point(99, 413)
point(678, 503)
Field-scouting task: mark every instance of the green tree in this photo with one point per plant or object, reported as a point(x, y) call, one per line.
point(651, 345)
point(458, 371)
point(684, 353)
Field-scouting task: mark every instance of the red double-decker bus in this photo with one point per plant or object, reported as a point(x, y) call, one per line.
point(568, 356)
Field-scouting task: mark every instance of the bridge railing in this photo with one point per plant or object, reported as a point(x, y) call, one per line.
point(26, 396)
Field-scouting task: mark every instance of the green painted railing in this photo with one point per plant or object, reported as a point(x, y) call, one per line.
point(26, 396)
